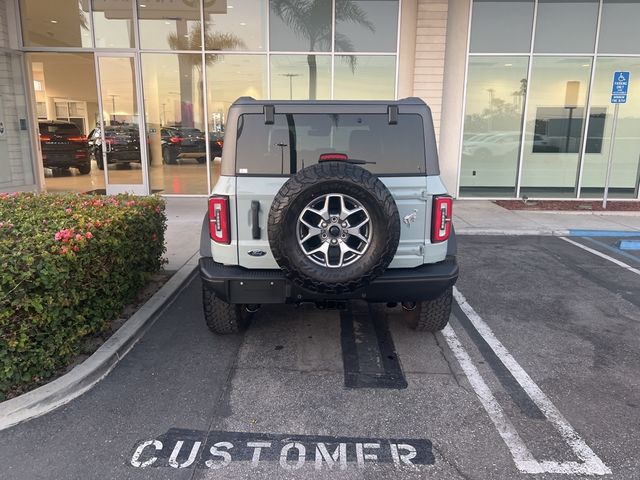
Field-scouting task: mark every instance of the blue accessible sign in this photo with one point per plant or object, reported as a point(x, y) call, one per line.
point(620, 87)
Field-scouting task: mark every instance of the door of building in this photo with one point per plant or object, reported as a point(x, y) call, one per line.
point(123, 150)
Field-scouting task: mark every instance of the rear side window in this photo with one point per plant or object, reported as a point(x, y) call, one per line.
point(296, 141)
point(68, 130)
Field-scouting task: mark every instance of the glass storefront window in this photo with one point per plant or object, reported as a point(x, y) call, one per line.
point(235, 25)
point(493, 126)
point(494, 20)
point(300, 27)
point(113, 23)
point(619, 32)
point(300, 77)
point(63, 23)
point(625, 168)
point(364, 77)
point(554, 125)
point(566, 26)
point(230, 77)
point(366, 25)
point(170, 25)
point(70, 101)
point(174, 108)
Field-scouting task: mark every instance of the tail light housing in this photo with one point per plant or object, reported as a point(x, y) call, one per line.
point(45, 138)
point(441, 219)
point(78, 139)
point(219, 224)
point(175, 139)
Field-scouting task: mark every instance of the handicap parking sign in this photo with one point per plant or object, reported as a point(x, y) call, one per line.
point(620, 87)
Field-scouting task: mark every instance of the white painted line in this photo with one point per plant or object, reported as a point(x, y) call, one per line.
point(521, 455)
point(591, 463)
point(602, 255)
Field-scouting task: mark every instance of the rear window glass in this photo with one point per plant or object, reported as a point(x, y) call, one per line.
point(296, 141)
point(59, 129)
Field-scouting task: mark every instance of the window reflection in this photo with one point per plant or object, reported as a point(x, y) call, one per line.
point(235, 25)
point(113, 23)
point(174, 108)
point(494, 20)
point(619, 32)
point(361, 77)
point(300, 26)
point(366, 25)
point(493, 122)
point(554, 125)
point(300, 77)
point(170, 25)
point(230, 77)
point(63, 23)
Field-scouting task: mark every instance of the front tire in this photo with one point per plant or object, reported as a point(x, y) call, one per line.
point(84, 169)
point(221, 317)
point(431, 315)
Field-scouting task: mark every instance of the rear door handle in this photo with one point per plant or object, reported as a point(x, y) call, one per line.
point(255, 222)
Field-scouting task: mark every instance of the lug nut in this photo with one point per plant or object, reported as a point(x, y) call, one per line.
point(344, 224)
point(344, 235)
point(334, 241)
point(334, 219)
point(324, 235)
point(324, 224)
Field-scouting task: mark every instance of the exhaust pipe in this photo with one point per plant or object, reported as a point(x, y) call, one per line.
point(408, 306)
point(252, 307)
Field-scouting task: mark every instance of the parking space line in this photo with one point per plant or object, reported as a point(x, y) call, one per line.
point(602, 255)
point(617, 251)
point(591, 463)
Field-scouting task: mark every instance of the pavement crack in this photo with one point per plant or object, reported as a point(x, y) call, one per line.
point(450, 367)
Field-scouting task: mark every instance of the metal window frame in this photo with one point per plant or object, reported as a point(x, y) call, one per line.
point(531, 55)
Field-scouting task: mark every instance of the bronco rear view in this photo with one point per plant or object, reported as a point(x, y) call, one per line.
point(325, 202)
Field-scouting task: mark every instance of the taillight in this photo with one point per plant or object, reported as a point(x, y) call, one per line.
point(219, 219)
point(328, 157)
point(220, 143)
point(175, 139)
point(77, 139)
point(45, 138)
point(441, 219)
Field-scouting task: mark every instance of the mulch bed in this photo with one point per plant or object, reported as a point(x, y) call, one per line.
point(92, 343)
point(570, 205)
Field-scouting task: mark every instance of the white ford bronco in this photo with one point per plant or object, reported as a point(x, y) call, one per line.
point(326, 202)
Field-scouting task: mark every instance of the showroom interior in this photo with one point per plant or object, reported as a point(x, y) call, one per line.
point(520, 89)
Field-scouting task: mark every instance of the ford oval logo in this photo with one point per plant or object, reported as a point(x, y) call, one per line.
point(257, 253)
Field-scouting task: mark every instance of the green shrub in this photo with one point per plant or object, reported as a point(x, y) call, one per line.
point(68, 265)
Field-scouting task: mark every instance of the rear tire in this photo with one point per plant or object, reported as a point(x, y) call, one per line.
point(431, 315)
point(84, 169)
point(223, 318)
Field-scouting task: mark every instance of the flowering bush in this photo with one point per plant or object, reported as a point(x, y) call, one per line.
point(68, 265)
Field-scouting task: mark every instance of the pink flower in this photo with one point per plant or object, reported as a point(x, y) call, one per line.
point(130, 203)
point(79, 237)
point(68, 210)
point(89, 235)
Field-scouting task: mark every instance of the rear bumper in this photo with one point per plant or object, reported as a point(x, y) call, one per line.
point(235, 284)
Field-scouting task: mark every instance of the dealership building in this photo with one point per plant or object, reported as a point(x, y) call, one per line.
point(535, 98)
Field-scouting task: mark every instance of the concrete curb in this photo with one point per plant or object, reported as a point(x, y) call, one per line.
point(83, 377)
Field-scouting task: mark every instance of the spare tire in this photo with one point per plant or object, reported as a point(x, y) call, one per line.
point(333, 227)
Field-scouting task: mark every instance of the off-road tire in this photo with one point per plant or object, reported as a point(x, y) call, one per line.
point(432, 315)
point(169, 157)
point(85, 169)
point(223, 318)
point(333, 177)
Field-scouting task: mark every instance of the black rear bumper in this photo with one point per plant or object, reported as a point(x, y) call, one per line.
point(235, 284)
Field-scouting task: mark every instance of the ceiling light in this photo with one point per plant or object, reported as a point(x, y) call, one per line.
point(229, 6)
point(243, 24)
point(508, 64)
point(142, 5)
point(167, 23)
point(54, 21)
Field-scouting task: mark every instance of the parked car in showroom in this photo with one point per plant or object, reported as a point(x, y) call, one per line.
point(64, 146)
point(180, 143)
point(122, 145)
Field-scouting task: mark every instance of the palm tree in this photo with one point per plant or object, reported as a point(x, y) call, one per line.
point(191, 41)
point(296, 14)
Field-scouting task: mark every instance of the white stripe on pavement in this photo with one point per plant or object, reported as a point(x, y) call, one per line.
point(602, 255)
point(591, 463)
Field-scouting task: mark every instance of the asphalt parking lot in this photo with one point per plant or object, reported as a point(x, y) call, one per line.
point(536, 377)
